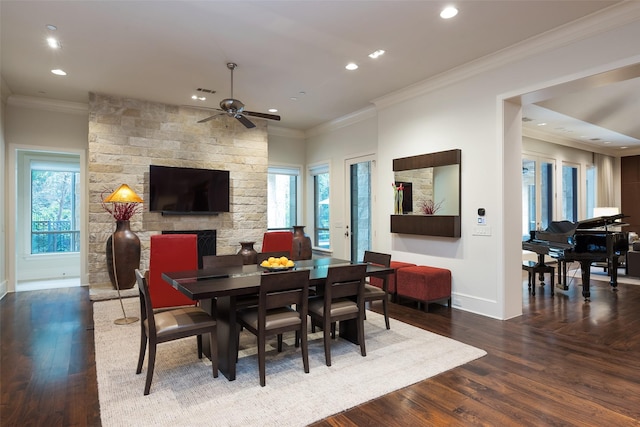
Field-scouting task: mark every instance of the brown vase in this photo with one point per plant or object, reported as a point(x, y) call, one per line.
point(123, 256)
point(249, 254)
point(301, 248)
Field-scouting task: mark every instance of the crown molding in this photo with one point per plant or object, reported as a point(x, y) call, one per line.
point(48, 104)
point(596, 23)
point(275, 130)
point(344, 121)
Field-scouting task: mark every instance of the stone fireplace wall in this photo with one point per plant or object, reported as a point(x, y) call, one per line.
point(128, 135)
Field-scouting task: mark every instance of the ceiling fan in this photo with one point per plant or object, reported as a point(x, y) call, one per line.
point(234, 108)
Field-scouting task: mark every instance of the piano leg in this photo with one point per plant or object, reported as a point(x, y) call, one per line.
point(585, 266)
point(613, 272)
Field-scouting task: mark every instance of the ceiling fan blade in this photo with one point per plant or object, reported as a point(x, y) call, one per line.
point(210, 118)
point(246, 122)
point(261, 115)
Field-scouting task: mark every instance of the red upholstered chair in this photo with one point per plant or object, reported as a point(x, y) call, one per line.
point(273, 241)
point(170, 252)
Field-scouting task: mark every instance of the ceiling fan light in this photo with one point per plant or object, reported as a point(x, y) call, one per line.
point(59, 72)
point(351, 66)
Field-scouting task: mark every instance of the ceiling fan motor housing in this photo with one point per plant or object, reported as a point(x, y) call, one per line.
point(231, 105)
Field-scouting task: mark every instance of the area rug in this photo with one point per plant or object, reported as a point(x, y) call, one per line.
point(184, 393)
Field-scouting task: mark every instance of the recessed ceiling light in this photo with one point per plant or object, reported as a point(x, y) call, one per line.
point(607, 142)
point(351, 66)
point(53, 43)
point(198, 98)
point(51, 27)
point(376, 54)
point(448, 12)
point(273, 110)
point(623, 148)
point(542, 124)
point(59, 72)
point(293, 98)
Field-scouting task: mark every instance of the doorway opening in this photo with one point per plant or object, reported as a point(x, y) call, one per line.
point(48, 212)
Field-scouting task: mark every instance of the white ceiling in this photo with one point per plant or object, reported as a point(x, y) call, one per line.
point(164, 50)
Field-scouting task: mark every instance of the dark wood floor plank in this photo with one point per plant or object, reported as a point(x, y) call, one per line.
point(563, 362)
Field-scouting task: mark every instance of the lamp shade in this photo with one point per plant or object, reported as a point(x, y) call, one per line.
point(123, 194)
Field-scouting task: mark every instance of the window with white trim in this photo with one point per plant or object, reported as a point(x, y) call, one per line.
point(282, 197)
point(321, 231)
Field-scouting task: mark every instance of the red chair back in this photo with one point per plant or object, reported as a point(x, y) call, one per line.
point(170, 252)
point(277, 241)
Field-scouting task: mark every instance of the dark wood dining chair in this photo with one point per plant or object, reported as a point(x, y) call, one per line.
point(219, 261)
point(375, 293)
point(342, 299)
point(274, 314)
point(170, 325)
point(213, 261)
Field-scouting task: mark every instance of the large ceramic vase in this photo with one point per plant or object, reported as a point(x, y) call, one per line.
point(123, 256)
point(249, 254)
point(301, 247)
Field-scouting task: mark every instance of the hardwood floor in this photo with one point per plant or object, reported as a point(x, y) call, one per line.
point(564, 362)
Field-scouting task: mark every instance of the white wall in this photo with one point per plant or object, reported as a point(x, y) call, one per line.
point(4, 93)
point(471, 109)
point(41, 125)
point(456, 111)
point(336, 146)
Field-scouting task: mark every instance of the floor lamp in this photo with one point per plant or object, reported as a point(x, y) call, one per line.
point(125, 204)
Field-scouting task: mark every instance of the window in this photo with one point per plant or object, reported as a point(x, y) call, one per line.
point(55, 207)
point(537, 194)
point(282, 197)
point(569, 192)
point(321, 235)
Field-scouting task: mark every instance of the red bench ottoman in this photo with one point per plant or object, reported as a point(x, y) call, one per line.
point(376, 281)
point(424, 284)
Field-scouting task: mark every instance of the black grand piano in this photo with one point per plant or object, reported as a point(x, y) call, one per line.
point(586, 242)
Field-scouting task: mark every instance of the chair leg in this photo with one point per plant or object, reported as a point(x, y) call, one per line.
point(261, 358)
point(279, 343)
point(213, 347)
point(199, 339)
point(327, 342)
point(386, 313)
point(143, 349)
point(363, 350)
point(152, 362)
point(305, 348)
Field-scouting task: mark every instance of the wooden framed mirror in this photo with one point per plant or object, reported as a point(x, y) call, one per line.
point(431, 194)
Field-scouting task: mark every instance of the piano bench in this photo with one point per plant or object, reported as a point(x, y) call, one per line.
point(532, 268)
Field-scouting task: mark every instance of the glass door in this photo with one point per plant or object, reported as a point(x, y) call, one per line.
point(538, 194)
point(359, 194)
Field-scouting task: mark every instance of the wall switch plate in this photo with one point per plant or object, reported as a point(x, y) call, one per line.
point(482, 230)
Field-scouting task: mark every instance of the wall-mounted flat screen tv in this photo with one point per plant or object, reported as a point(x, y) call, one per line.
point(177, 190)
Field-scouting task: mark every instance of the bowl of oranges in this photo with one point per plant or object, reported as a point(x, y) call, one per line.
point(277, 264)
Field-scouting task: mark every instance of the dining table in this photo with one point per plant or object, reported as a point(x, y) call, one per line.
point(219, 290)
